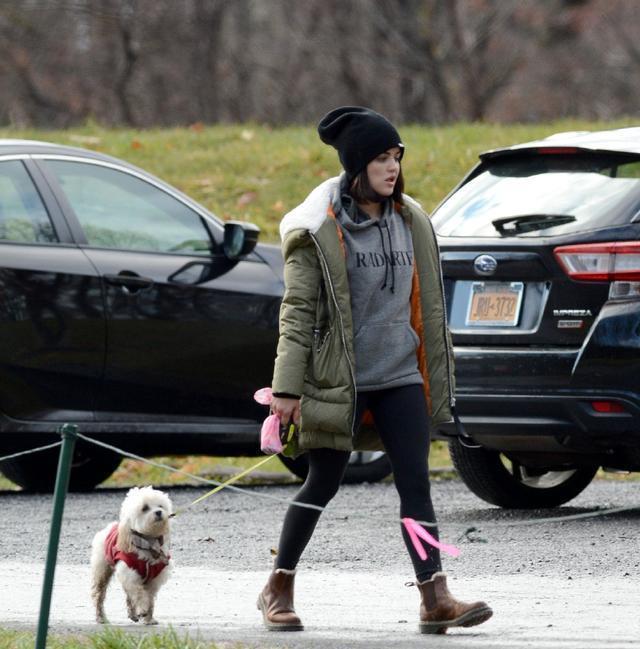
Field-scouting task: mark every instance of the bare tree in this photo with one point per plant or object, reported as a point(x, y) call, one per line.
point(148, 62)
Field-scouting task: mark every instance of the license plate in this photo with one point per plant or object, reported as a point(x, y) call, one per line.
point(494, 304)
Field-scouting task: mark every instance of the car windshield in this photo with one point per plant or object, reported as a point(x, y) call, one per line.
point(566, 193)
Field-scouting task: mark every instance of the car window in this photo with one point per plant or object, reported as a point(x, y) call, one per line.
point(23, 217)
point(552, 195)
point(118, 210)
point(628, 170)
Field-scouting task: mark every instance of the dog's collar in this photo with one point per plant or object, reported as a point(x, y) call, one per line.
point(151, 544)
point(148, 538)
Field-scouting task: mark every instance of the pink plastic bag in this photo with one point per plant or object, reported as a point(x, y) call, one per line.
point(270, 441)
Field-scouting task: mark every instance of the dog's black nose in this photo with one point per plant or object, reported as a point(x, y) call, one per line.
point(159, 514)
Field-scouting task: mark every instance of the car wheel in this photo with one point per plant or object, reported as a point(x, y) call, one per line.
point(37, 472)
point(364, 466)
point(500, 481)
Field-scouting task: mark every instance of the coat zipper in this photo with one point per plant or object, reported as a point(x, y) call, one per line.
point(325, 266)
point(445, 324)
point(452, 398)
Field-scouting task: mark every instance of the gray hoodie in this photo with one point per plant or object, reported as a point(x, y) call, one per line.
point(380, 270)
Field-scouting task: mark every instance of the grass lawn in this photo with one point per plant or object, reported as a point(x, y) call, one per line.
point(136, 473)
point(256, 173)
point(107, 639)
point(133, 472)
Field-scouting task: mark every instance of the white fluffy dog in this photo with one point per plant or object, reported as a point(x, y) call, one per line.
point(136, 548)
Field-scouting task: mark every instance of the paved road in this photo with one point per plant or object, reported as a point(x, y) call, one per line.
point(567, 584)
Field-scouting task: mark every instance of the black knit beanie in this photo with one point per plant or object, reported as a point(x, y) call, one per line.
point(359, 134)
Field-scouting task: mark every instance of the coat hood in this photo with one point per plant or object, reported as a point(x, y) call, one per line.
point(312, 212)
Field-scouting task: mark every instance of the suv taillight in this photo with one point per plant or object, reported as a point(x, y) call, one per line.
point(608, 407)
point(601, 262)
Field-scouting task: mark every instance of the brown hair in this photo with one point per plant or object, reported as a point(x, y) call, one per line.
point(362, 192)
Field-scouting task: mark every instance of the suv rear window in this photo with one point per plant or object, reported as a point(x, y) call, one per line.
point(538, 195)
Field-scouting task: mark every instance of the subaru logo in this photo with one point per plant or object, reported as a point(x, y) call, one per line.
point(485, 265)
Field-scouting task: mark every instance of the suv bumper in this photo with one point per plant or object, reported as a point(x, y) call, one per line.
point(528, 401)
point(548, 423)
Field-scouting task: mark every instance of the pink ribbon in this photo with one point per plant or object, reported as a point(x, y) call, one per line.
point(415, 530)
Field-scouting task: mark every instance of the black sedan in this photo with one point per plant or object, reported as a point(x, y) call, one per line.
point(540, 246)
point(130, 310)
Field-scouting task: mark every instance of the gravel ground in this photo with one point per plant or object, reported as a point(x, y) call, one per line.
point(552, 585)
point(359, 530)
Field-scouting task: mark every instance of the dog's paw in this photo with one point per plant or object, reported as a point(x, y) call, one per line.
point(133, 617)
point(150, 621)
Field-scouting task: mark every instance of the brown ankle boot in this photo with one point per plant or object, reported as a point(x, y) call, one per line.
point(439, 609)
point(276, 602)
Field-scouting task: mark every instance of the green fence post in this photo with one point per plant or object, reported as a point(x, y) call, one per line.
point(69, 435)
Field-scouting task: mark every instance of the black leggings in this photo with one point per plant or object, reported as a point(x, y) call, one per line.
point(400, 415)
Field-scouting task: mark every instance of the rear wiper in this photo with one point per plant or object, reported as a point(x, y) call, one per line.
point(530, 222)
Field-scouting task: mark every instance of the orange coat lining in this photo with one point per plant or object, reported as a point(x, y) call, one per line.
point(332, 215)
point(418, 326)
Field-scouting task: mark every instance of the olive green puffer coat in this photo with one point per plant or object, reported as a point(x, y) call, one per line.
point(315, 351)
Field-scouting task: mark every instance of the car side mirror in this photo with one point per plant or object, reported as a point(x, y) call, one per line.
point(240, 239)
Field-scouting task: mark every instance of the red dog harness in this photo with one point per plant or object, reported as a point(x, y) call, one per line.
point(146, 569)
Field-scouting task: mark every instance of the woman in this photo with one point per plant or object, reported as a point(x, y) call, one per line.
point(362, 334)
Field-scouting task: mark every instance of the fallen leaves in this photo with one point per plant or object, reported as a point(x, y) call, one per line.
point(246, 199)
point(86, 140)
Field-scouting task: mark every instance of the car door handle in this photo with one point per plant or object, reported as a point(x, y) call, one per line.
point(129, 281)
